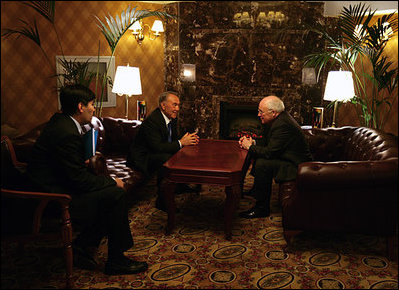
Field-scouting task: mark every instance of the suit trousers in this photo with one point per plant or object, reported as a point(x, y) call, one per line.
point(155, 163)
point(102, 213)
point(264, 171)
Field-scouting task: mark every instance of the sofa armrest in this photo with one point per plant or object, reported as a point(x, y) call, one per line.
point(347, 174)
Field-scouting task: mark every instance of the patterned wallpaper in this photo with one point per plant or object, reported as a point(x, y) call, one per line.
point(203, 35)
point(28, 96)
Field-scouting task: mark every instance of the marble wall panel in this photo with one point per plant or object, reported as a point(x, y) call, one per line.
point(240, 58)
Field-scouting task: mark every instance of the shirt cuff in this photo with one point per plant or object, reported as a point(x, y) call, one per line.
point(179, 143)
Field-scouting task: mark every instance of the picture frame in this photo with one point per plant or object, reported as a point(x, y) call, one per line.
point(109, 98)
point(141, 110)
point(317, 117)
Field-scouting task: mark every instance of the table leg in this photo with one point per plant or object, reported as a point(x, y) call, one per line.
point(169, 196)
point(232, 199)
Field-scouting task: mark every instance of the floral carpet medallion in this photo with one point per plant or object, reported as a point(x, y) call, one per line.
point(197, 255)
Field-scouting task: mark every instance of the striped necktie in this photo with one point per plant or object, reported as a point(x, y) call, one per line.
point(170, 132)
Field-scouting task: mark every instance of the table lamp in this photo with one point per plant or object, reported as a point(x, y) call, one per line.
point(339, 88)
point(127, 82)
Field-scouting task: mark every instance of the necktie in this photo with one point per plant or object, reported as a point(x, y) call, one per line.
point(170, 132)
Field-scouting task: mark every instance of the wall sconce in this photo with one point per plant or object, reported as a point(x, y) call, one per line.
point(188, 72)
point(127, 82)
point(138, 30)
point(309, 76)
point(339, 88)
point(242, 18)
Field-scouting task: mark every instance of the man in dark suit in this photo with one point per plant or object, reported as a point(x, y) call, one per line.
point(276, 155)
point(98, 206)
point(158, 139)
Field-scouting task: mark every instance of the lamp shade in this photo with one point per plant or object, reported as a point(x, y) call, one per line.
point(127, 81)
point(339, 86)
point(136, 27)
point(157, 26)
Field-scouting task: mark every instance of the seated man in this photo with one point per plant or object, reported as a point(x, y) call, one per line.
point(158, 139)
point(276, 155)
point(98, 206)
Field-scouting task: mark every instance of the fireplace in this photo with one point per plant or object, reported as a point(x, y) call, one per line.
point(238, 119)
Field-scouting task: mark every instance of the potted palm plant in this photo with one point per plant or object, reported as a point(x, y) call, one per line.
point(358, 45)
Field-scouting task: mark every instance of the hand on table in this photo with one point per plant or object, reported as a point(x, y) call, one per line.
point(189, 139)
point(245, 142)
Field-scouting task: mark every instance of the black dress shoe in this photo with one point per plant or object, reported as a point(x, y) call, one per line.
point(255, 212)
point(83, 260)
point(124, 266)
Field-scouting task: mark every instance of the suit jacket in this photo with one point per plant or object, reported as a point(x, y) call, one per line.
point(152, 138)
point(57, 160)
point(283, 140)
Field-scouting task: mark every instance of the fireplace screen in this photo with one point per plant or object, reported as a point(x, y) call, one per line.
point(237, 120)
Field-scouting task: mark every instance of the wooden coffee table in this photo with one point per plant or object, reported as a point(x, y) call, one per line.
point(218, 162)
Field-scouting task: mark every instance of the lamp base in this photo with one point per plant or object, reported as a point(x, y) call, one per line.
point(127, 107)
point(334, 114)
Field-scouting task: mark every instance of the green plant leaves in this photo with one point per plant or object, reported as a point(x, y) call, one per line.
point(44, 8)
point(27, 31)
point(358, 42)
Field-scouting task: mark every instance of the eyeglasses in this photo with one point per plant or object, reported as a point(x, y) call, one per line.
point(261, 112)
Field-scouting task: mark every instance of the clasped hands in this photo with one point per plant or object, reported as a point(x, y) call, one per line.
point(246, 142)
point(189, 139)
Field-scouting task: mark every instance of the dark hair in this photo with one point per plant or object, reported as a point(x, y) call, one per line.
point(164, 95)
point(72, 95)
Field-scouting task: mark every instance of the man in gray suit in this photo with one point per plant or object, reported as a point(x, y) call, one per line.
point(276, 155)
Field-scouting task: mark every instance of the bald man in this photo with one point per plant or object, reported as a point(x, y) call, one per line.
point(276, 155)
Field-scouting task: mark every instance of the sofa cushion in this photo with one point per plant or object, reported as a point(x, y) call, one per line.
point(119, 134)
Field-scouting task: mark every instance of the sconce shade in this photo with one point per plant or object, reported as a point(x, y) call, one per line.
point(136, 27)
point(127, 81)
point(339, 86)
point(188, 72)
point(157, 27)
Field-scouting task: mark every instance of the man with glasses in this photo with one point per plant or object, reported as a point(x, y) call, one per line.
point(276, 155)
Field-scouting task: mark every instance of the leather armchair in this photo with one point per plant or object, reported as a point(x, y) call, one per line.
point(22, 227)
point(351, 186)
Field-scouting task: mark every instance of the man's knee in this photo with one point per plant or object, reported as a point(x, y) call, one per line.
point(262, 164)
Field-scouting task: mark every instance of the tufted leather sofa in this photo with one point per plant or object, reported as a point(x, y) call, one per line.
point(114, 139)
point(351, 186)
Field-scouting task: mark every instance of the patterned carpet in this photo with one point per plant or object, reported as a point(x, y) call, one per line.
point(197, 256)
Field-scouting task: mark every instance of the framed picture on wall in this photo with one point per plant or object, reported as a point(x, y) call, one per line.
point(79, 65)
point(317, 117)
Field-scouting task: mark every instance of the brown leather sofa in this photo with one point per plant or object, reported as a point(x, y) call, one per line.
point(351, 186)
point(114, 139)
